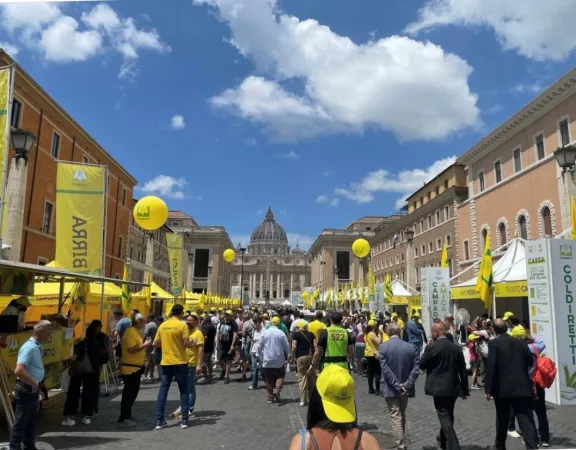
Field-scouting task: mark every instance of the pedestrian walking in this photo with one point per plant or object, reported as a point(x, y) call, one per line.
point(273, 352)
point(336, 344)
point(30, 373)
point(373, 340)
point(305, 354)
point(446, 380)
point(399, 363)
point(226, 344)
point(258, 330)
point(508, 383)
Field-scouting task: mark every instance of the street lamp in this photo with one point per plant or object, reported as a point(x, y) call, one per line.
point(22, 141)
point(209, 276)
point(242, 251)
point(190, 273)
point(565, 157)
point(410, 236)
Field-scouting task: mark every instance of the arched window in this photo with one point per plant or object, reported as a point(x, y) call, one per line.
point(547, 221)
point(522, 226)
point(502, 231)
point(484, 235)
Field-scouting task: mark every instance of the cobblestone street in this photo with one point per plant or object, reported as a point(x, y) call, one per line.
point(231, 416)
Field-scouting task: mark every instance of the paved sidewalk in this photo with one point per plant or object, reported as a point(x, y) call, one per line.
point(231, 416)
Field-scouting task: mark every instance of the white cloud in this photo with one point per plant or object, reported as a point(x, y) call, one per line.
point(528, 88)
point(289, 155)
point(536, 29)
point(413, 89)
point(12, 50)
point(405, 182)
point(177, 122)
point(46, 29)
point(165, 186)
point(325, 200)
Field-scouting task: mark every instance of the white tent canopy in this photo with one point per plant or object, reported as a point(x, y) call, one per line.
point(509, 268)
point(286, 303)
point(399, 290)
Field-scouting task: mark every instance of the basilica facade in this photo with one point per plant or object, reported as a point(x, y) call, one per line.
point(267, 268)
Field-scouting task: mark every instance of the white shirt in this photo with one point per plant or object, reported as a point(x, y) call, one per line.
point(256, 341)
point(215, 321)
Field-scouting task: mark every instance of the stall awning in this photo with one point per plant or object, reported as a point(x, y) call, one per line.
point(509, 276)
point(400, 294)
point(156, 292)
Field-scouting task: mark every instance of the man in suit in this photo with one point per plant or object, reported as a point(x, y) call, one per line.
point(399, 367)
point(508, 382)
point(446, 380)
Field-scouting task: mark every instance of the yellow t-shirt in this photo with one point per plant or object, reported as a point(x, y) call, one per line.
point(315, 327)
point(401, 323)
point(371, 349)
point(170, 335)
point(130, 338)
point(192, 353)
point(383, 335)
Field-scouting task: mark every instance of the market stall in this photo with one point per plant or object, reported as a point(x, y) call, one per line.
point(404, 299)
point(510, 286)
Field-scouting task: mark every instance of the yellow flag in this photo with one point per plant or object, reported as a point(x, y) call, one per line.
point(175, 257)
point(4, 124)
point(573, 215)
point(485, 281)
point(126, 295)
point(388, 288)
point(77, 300)
point(444, 260)
point(371, 282)
point(80, 194)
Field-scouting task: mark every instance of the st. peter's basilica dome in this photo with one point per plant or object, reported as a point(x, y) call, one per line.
point(269, 238)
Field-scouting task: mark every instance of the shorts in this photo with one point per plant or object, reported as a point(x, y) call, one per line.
point(474, 364)
point(245, 353)
point(150, 354)
point(359, 350)
point(207, 360)
point(272, 374)
point(224, 354)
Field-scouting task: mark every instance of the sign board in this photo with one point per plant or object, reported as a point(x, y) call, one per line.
point(235, 292)
point(435, 290)
point(551, 270)
point(296, 297)
point(378, 303)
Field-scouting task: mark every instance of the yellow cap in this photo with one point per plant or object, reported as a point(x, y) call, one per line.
point(301, 324)
point(213, 310)
point(371, 323)
point(195, 314)
point(394, 315)
point(275, 320)
point(265, 315)
point(336, 387)
point(372, 316)
point(472, 337)
point(518, 332)
point(229, 312)
point(415, 315)
point(507, 315)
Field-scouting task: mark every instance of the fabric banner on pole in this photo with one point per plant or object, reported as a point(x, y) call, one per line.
point(80, 192)
point(175, 247)
point(434, 287)
point(4, 130)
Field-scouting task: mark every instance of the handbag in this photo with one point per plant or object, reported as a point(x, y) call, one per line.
point(81, 366)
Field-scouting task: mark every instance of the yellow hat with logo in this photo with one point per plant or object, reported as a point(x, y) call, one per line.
point(275, 320)
point(394, 315)
point(507, 315)
point(229, 312)
point(518, 332)
point(302, 324)
point(213, 310)
point(371, 323)
point(472, 337)
point(336, 388)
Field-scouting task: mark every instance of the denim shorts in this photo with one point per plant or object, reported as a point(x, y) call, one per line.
point(359, 350)
point(245, 353)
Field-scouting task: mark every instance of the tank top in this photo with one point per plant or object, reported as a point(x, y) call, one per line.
point(371, 349)
point(321, 439)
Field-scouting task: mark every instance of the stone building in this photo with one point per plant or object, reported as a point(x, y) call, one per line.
point(430, 217)
point(332, 260)
point(269, 269)
point(203, 262)
point(59, 137)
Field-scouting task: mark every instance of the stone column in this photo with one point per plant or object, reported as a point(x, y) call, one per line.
point(253, 292)
point(261, 286)
point(190, 275)
point(270, 286)
point(410, 270)
point(278, 289)
point(282, 285)
point(15, 201)
point(291, 285)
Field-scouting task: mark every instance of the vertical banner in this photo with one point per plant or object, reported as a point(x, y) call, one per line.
point(296, 297)
point(80, 196)
point(175, 247)
point(435, 290)
point(235, 292)
point(377, 304)
point(540, 303)
point(5, 95)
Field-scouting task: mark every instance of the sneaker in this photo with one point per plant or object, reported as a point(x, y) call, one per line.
point(86, 420)
point(184, 424)
point(270, 400)
point(545, 444)
point(68, 422)
point(126, 424)
point(161, 425)
point(302, 404)
point(475, 387)
point(227, 380)
point(252, 388)
point(191, 413)
point(277, 398)
point(513, 434)
point(222, 375)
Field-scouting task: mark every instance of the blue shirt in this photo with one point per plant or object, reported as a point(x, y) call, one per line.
point(122, 325)
point(273, 348)
point(30, 356)
point(413, 332)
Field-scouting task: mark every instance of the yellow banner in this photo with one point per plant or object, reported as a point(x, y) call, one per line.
point(4, 123)
point(464, 293)
point(512, 289)
point(398, 300)
point(175, 256)
point(80, 192)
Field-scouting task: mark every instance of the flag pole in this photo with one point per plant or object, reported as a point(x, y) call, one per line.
point(493, 303)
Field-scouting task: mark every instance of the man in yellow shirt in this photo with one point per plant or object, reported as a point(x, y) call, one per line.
point(317, 326)
point(173, 338)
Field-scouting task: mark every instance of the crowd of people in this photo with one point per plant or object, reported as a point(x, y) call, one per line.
point(326, 351)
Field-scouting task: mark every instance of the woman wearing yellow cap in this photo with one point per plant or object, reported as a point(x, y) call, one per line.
point(332, 415)
point(373, 340)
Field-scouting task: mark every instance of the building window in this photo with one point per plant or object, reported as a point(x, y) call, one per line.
point(484, 236)
point(430, 247)
point(42, 261)
point(446, 213)
point(47, 218)
point(402, 257)
point(466, 251)
point(547, 221)
point(429, 195)
point(415, 252)
point(517, 160)
point(123, 197)
point(16, 112)
point(439, 244)
point(522, 226)
point(421, 200)
point(437, 217)
point(120, 245)
point(481, 185)
point(539, 144)
point(85, 159)
point(417, 275)
point(422, 226)
point(429, 222)
point(423, 250)
point(55, 149)
point(445, 184)
point(131, 252)
point(437, 190)
point(498, 171)
point(448, 240)
point(564, 130)
point(502, 231)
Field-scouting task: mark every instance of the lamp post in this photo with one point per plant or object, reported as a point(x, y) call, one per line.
point(410, 271)
point(242, 251)
point(566, 158)
point(14, 193)
point(190, 281)
point(210, 276)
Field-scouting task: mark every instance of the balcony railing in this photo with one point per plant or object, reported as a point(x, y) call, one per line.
point(199, 280)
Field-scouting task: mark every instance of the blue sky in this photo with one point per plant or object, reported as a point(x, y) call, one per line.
point(325, 110)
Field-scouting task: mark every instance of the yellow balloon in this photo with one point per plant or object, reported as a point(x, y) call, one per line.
point(150, 213)
point(305, 295)
point(229, 255)
point(361, 248)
